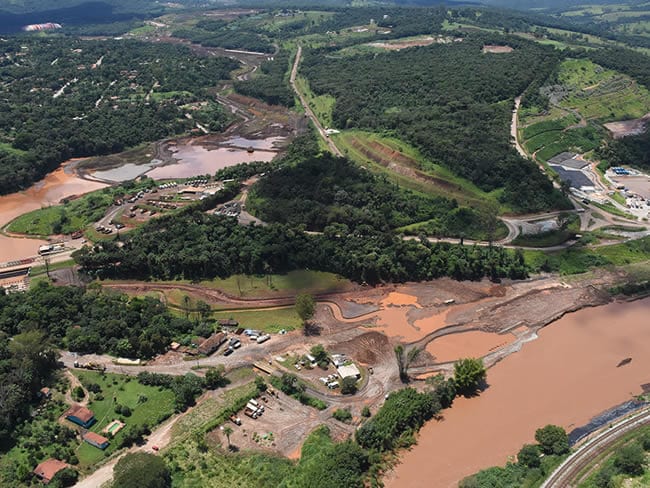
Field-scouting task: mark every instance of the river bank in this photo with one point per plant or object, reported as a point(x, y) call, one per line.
point(565, 377)
point(61, 183)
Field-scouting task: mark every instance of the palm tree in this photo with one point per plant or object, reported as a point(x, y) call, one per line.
point(227, 431)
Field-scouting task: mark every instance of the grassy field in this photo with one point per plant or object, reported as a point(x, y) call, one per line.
point(149, 405)
point(71, 216)
point(45, 221)
point(210, 412)
point(578, 259)
point(294, 282)
point(384, 155)
point(272, 320)
point(322, 105)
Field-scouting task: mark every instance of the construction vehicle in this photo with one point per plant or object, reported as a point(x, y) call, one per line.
point(90, 365)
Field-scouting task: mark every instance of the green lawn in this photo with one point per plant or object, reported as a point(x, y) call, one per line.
point(272, 320)
point(294, 282)
point(123, 390)
point(578, 259)
point(71, 216)
point(322, 105)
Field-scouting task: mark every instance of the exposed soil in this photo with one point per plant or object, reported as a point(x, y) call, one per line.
point(398, 163)
point(626, 128)
point(497, 49)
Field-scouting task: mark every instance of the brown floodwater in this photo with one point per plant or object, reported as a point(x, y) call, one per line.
point(565, 377)
point(49, 191)
point(473, 344)
point(393, 319)
point(198, 160)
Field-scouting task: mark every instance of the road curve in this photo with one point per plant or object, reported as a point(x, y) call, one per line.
point(565, 474)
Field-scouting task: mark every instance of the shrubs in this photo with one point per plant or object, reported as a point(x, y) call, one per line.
point(349, 385)
point(552, 440)
point(630, 459)
point(404, 411)
point(342, 415)
point(469, 374)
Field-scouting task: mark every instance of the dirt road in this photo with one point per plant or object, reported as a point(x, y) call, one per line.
point(513, 129)
point(308, 110)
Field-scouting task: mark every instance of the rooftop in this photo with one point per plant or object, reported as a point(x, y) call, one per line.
point(82, 413)
point(48, 468)
point(95, 438)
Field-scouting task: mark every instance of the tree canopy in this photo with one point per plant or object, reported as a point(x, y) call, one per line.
point(469, 374)
point(552, 439)
point(141, 470)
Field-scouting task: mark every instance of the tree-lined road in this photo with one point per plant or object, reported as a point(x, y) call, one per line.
point(308, 110)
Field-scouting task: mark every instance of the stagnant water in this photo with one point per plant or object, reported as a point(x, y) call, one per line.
point(49, 191)
point(567, 376)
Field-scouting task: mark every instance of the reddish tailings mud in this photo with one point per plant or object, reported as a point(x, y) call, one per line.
point(49, 191)
point(565, 377)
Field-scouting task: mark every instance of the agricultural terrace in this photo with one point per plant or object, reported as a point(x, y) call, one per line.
point(586, 96)
point(602, 94)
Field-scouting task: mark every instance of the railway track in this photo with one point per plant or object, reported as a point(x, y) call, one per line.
point(565, 474)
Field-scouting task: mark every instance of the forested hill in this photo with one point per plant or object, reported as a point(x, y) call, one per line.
point(453, 101)
point(62, 98)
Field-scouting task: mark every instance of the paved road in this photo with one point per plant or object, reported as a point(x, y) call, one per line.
point(308, 110)
point(565, 474)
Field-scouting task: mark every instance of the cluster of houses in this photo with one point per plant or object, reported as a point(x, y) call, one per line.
point(85, 418)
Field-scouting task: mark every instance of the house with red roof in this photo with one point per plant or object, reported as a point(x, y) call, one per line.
point(99, 441)
point(48, 468)
point(80, 416)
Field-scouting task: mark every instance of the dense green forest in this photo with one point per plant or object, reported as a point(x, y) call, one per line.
point(220, 33)
point(452, 101)
point(62, 98)
point(633, 150)
point(195, 246)
point(91, 321)
point(325, 190)
point(271, 84)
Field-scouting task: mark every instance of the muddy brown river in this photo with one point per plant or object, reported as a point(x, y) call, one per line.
point(49, 191)
point(565, 377)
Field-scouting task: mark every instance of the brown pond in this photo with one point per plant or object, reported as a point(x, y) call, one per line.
point(565, 377)
point(393, 319)
point(199, 160)
point(49, 191)
point(474, 344)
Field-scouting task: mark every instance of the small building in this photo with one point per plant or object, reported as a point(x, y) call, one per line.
point(48, 469)
point(80, 416)
point(174, 346)
point(99, 441)
point(339, 359)
point(348, 370)
point(228, 323)
point(212, 343)
point(45, 393)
